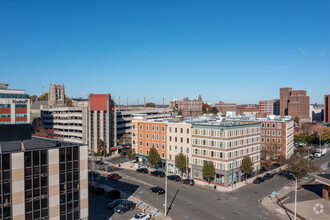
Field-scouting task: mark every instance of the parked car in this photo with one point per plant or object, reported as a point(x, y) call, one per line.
point(93, 173)
point(125, 206)
point(142, 170)
point(123, 154)
point(157, 189)
point(310, 157)
point(188, 182)
point(158, 173)
point(99, 162)
point(116, 203)
point(286, 174)
point(268, 176)
point(320, 152)
point(175, 178)
point(259, 180)
point(141, 216)
point(114, 176)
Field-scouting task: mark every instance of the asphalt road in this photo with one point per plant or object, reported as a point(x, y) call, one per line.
point(198, 202)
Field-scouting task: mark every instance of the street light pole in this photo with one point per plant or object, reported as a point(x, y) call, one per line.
point(295, 198)
point(166, 188)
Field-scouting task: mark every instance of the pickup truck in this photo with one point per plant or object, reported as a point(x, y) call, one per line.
point(320, 152)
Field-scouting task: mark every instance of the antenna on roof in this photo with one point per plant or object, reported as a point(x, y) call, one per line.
point(22, 146)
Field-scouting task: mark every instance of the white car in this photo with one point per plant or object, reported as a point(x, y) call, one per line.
point(141, 216)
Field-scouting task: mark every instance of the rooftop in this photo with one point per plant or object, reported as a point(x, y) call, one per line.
point(35, 143)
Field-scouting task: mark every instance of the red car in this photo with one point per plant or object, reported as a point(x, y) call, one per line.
point(114, 176)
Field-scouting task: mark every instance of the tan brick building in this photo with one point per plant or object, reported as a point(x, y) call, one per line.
point(43, 179)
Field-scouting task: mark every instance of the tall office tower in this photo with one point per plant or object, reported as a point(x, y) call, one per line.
point(14, 106)
point(56, 95)
point(101, 122)
point(294, 103)
point(327, 108)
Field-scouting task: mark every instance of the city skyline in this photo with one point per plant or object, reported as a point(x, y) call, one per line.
point(234, 52)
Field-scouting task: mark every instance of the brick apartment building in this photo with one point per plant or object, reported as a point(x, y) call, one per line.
point(327, 108)
point(147, 134)
point(270, 107)
point(294, 103)
point(14, 106)
point(226, 107)
point(189, 108)
point(276, 132)
point(225, 144)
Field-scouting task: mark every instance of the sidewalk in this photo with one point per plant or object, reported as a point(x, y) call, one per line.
point(275, 203)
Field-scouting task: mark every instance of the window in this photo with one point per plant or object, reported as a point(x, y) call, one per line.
point(140, 143)
point(157, 137)
point(212, 153)
point(157, 145)
point(187, 130)
point(140, 134)
point(263, 125)
point(279, 125)
point(196, 131)
point(181, 139)
point(147, 127)
point(212, 133)
point(278, 133)
point(221, 144)
point(170, 147)
point(187, 140)
point(153, 128)
point(212, 143)
point(267, 125)
point(204, 142)
point(273, 133)
point(221, 155)
point(153, 136)
point(196, 141)
point(229, 154)
point(204, 132)
point(175, 130)
point(140, 151)
point(187, 150)
point(181, 130)
point(147, 136)
point(147, 152)
point(140, 127)
point(163, 137)
point(196, 151)
point(181, 149)
point(176, 148)
point(204, 152)
point(163, 128)
point(163, 155)
point(170, 156)
point(273, 125)
point(170, 138)
point(163, 146)
point(170, 129)
point(157, 128)
point(176, 139)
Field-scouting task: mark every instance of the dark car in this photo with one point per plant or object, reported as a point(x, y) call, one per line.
point(99, 162)
point(259, 180)
point(116, 203)
point(124, 207)
point(188, 181)
point(310, 157)
point(93, 173)
point(157, 189)
point(123, 154)
point(175, 178)
point(158, 173)
point(142, 170)
point(114, 176)
point(286, 174)
point(268, 176)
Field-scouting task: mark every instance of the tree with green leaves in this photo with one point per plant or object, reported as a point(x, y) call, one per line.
point(153, 157)
point(247, 166)
point(125, 139)
point(208, 170)
point(180, 162)
point(150, 104)
point(130, 154)
point(43, 97)
point(301, 167)
point(180, 112)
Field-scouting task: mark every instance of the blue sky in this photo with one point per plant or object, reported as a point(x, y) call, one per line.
point(235, 51)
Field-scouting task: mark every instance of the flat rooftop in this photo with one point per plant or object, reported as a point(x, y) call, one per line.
point(35, 143)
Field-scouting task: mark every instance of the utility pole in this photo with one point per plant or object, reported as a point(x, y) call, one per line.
point(295, 198)
point(187, 166)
